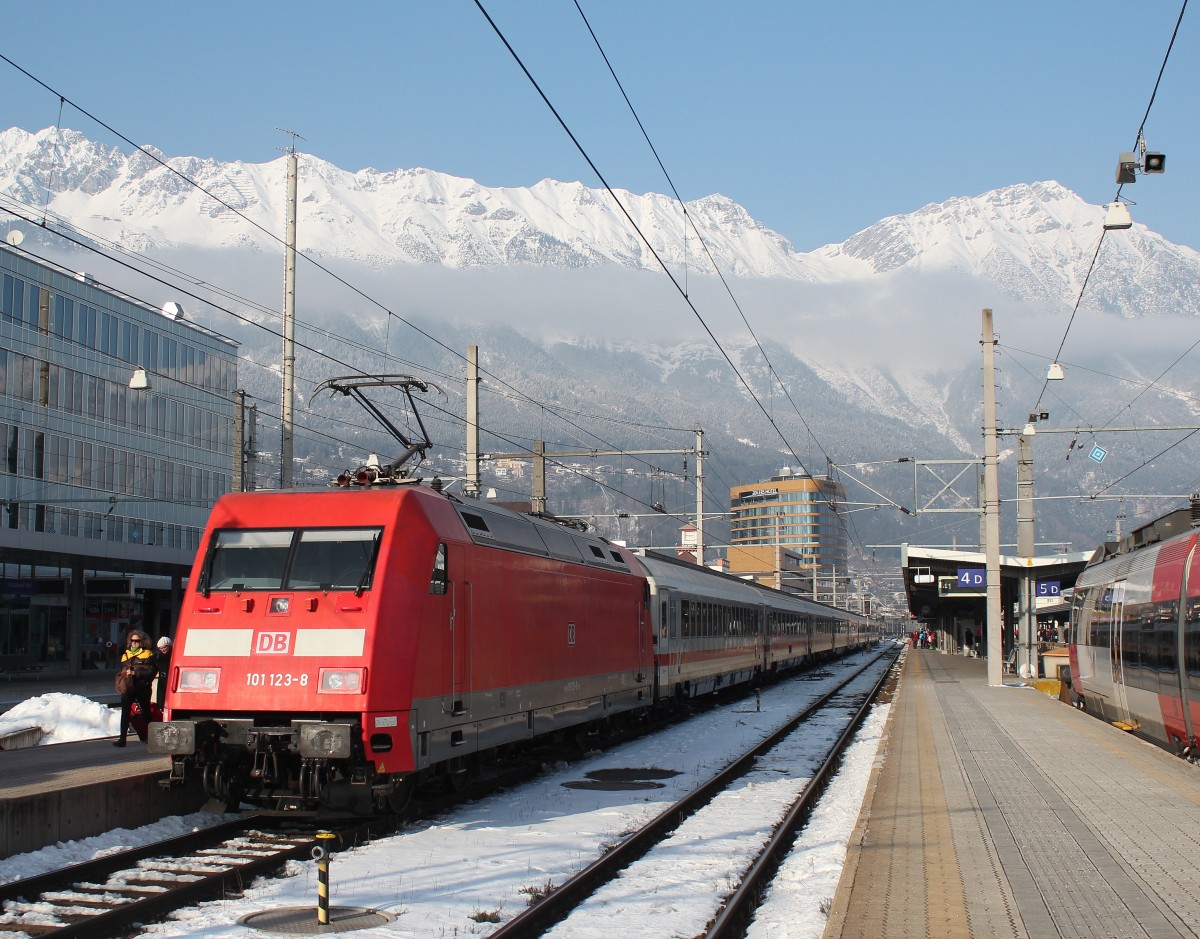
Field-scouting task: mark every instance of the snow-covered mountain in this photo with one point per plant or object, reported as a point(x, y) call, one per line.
point(1033, 241)
point(876, 338)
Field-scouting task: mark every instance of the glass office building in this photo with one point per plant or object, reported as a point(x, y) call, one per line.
point(104, 488)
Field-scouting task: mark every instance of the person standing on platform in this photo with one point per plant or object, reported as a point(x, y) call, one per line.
point(134, 678)
point(164, 664)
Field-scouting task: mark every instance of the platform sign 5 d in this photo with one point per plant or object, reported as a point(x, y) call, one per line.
point(1048, 588)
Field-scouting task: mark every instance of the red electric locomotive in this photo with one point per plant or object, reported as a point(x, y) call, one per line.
point(334, 645)
point(1135, 635)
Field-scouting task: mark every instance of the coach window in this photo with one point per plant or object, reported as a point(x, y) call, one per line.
point(1191, 645)
point(437, 580)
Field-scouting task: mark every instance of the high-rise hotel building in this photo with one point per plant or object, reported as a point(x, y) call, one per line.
point(797, 513)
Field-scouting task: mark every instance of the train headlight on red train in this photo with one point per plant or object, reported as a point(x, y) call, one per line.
point(326, 741)
point(205, 680)
point(172, 737)
point(342, 680)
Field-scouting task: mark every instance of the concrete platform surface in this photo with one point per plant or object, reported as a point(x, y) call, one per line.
point(1001, 812)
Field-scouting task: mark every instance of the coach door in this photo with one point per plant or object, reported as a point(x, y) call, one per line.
point(1116, 645)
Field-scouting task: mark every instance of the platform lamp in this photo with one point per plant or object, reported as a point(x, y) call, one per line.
point(1030, 427)
point(1117, 217)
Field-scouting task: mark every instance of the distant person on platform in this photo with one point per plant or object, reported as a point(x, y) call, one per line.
point(164, 664)
point(134, 679)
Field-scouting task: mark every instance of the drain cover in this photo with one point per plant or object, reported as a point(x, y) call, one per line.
point(623, 779)
point(612, 785)
point(302, 920)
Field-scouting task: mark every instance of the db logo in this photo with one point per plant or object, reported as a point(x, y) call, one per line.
point(272, 643)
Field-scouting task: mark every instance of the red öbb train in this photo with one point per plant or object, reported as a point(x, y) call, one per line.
point(336, 647)
point(1135, 639)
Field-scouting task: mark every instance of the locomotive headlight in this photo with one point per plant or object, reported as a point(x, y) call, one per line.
point(172, 737)
point(342, 680)
point(205, 680)
point(325, 741)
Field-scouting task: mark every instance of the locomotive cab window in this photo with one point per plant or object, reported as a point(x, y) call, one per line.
point(334, 559)
point(307, 559)
point(247, 560)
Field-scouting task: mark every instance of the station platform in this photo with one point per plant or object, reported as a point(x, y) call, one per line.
point(68, 791)
point(1001, 812)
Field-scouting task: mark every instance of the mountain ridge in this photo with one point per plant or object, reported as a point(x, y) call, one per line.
point(1034, 241)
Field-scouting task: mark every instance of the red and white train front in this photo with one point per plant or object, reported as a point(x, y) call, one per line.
point(333, 645)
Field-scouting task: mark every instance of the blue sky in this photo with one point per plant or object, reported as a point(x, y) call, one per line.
point(819, 118)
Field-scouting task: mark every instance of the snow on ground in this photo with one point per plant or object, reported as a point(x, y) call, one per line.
point(62, 717)
point(55, 856)
point(798, 901)
point(445, 876)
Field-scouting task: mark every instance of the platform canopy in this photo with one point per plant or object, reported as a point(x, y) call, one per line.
point(947, 589)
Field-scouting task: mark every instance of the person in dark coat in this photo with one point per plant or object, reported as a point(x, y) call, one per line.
point(138, 663)
point(163, 658)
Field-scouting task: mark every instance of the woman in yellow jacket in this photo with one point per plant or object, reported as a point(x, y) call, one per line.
point(138, 662)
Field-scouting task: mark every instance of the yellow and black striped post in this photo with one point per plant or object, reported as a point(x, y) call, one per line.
point(321, 855)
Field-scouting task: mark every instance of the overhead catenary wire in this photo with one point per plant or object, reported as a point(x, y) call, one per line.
point(1138, 138)
point(372, 300)
point(262, 326)
point(679, 288)
point(216, 198)
point(321, 353)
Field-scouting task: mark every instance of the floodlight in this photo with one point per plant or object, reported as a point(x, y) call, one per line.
point(1028, 430)
point(1127, 164)
point(1154, 163)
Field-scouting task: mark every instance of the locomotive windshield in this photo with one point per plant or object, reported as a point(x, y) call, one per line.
point(291, 559)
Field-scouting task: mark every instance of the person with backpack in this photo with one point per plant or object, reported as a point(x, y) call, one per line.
point(134, 677)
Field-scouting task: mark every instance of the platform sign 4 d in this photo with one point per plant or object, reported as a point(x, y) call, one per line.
point(970, 582)
point(972, 578)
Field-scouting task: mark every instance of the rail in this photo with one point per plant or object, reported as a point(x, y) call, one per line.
point(556, 906)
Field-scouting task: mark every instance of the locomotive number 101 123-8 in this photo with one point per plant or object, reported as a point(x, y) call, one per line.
point(276, 680)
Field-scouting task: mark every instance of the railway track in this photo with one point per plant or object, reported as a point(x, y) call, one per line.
point(110, 896)
point(106, 896)
point(554, 913)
